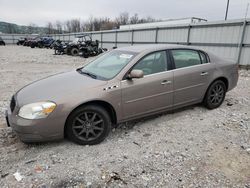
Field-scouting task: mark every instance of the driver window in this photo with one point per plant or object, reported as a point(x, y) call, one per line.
point(153, 63)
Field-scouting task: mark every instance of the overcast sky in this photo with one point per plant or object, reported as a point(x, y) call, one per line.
point(40, 12)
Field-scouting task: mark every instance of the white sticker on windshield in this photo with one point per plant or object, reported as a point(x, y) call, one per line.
point(126, 56)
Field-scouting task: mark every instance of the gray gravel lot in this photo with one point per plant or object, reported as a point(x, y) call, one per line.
point(192, 147)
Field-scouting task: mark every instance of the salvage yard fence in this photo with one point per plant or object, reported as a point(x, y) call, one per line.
point(227, 39)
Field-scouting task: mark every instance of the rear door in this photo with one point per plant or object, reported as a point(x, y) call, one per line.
point(151, 93)
point(192, 74)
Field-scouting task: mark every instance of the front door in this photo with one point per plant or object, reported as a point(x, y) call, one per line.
point(151, 93)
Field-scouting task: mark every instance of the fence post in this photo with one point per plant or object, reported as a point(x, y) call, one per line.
point(116, 33)
point(241, 41)
point(188, 34)
point(13, 39)
point(156, 35)
point(101, 40)
point(132, 37)
point(91, 35)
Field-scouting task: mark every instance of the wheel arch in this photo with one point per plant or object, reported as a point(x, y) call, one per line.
point(223, 79)
point(107, 106)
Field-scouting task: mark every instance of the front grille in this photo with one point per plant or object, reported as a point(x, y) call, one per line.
point(12, 104)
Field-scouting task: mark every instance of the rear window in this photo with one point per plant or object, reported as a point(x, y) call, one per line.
point(186, 58)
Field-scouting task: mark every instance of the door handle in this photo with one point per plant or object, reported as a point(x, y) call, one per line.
point(164, 82)
point(204, 73)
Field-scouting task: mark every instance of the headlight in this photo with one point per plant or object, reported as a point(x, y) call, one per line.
point(36, 110)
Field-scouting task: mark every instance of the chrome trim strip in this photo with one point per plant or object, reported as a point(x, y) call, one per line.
point(148, 97)
point(189, 87)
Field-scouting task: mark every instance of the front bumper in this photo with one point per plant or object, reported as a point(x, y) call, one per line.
point(34, 130)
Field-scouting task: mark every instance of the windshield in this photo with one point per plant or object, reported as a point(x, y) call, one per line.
point(110, 64)
point(76, 40)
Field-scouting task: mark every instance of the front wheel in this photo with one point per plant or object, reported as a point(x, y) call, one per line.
point(215, 95)
point(88, 125)
point(74, 51)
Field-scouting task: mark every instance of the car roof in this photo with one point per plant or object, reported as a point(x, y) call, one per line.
point(153, 47)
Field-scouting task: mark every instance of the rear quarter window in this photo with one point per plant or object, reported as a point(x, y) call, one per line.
point(204, 58)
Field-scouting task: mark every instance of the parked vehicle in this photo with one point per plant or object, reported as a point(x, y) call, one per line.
point(47, 42)
point(59, 47)
point(121, 85)
point(73, 47)
point(83, 45)
point(21, 41)
point(90, 48)
point(2, 42)
point(29, 41)
point(41, 42)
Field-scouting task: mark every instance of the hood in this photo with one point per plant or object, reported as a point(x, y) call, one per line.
point(57, 87)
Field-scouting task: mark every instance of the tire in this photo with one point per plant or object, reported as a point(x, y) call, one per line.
point(215, 95)
point(85, 55)
point(74, 51)
point(88, 125)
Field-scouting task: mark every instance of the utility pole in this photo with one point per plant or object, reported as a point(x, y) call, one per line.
point(227, 9)
point(246, 10)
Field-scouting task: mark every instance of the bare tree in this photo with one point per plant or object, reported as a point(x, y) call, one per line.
point(50, 28)
point(75, 25)
point(122, 19)
point(134, 19)
point(58, 27)
point(107, 24)
point(68, 26)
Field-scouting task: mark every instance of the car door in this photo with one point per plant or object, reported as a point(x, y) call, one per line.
point(192, 75)
point(151, 93)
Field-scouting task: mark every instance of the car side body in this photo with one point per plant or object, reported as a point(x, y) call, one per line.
point(124, 99)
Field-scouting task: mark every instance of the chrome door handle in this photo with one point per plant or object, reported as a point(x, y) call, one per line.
point(164, 82)
point(204, 73)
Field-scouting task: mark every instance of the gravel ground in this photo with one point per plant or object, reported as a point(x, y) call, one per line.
point(192, 147)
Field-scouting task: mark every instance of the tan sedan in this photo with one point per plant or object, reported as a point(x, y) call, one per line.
point(121, 85)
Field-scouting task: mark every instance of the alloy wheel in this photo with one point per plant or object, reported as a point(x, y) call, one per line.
point(217, 94)
point(88, 126)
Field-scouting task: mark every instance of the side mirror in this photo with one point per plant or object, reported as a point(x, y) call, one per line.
point(135, 74)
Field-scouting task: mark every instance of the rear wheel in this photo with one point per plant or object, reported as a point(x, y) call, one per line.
point(215, 95)
point(85, 54)
point(74, 51)
point(88, 125)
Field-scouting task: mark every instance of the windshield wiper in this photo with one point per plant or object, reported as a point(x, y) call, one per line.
point(86, 73)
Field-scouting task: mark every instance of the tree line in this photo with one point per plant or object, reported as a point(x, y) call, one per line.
point(76, 25)
point(95, 24)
